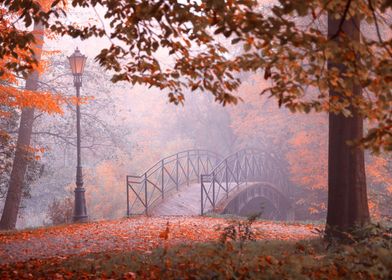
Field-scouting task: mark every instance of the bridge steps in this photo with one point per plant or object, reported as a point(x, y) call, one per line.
point(185, 202)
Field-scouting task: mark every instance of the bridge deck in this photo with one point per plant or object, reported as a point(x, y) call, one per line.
point(144, 191)
point(185, 202)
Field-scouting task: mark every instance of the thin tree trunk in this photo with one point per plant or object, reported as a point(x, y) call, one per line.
point(347, 195)
point(19, 167)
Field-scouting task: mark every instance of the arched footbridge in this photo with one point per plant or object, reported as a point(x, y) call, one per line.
point(196, 182)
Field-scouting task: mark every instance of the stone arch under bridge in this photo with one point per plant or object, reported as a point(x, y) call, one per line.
point(197, 182)
point(257, 198)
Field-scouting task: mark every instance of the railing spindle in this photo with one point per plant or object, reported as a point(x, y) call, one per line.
point(198, 167)
point(227, 179)
point(177, 172)
point(145, 192)
point(213, 191)
point(202, 197)
point(187, 168)
point(127, 198)
point(163, 178)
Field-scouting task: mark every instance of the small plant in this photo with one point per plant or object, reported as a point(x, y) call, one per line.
point(60, 211)
point(366, 236)
point(239, 230)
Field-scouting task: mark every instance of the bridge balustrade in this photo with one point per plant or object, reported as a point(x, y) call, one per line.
point(237, 170)
point(169, 174)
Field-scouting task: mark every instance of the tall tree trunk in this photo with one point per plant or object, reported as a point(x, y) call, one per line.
point(347, 195)
point(19, 167)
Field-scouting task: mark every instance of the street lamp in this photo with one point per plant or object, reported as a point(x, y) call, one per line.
point(77, 62)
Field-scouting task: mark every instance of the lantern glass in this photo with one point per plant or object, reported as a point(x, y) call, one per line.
point(77, 62)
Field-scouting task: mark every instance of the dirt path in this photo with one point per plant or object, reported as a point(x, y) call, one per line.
point(138, 233)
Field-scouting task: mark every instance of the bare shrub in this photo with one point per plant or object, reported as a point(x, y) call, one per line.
point(60, 211)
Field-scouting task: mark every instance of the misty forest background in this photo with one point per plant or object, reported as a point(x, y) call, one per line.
point(126, 129)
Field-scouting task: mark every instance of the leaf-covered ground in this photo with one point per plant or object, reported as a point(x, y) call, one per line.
point(139, 234)
point(192, 248)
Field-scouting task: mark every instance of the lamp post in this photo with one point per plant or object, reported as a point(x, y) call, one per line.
point(77, 62)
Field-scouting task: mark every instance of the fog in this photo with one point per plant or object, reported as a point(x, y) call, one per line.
point(126, 129)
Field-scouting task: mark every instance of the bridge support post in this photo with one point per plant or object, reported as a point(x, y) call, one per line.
point(246, 171)
point(187, 169)
point(213, 191)
point(202, 197)
point(163, 179)
point(177, 172)
point(238, 169)
point(198, 167)
point(127, 198)
point(145, 193)
point(227, 179)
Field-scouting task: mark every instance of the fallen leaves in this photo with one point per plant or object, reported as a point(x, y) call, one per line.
point(138, 233)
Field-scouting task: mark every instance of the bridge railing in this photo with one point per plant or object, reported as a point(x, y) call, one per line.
point(167, 175)
point(248, 165)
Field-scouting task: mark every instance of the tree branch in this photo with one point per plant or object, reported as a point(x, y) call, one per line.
point(342, 20)
point(377, 27)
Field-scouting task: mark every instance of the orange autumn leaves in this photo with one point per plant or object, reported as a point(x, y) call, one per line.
point(18, 98)
point(300, 140)
point(106, 198)
point(12, 94)
point(138, 233)
point(379, 171)
point(303, 141)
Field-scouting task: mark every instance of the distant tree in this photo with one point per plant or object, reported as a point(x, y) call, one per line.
point(20, 54)
point(105, 140)
point(7, 146)
point(206, 125)
point(20, 162)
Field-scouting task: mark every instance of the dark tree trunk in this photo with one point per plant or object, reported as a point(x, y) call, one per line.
point(347, 195)
point(19, 167)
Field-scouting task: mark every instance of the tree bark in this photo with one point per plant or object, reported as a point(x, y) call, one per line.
point(347, 194)
point(19, 167)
